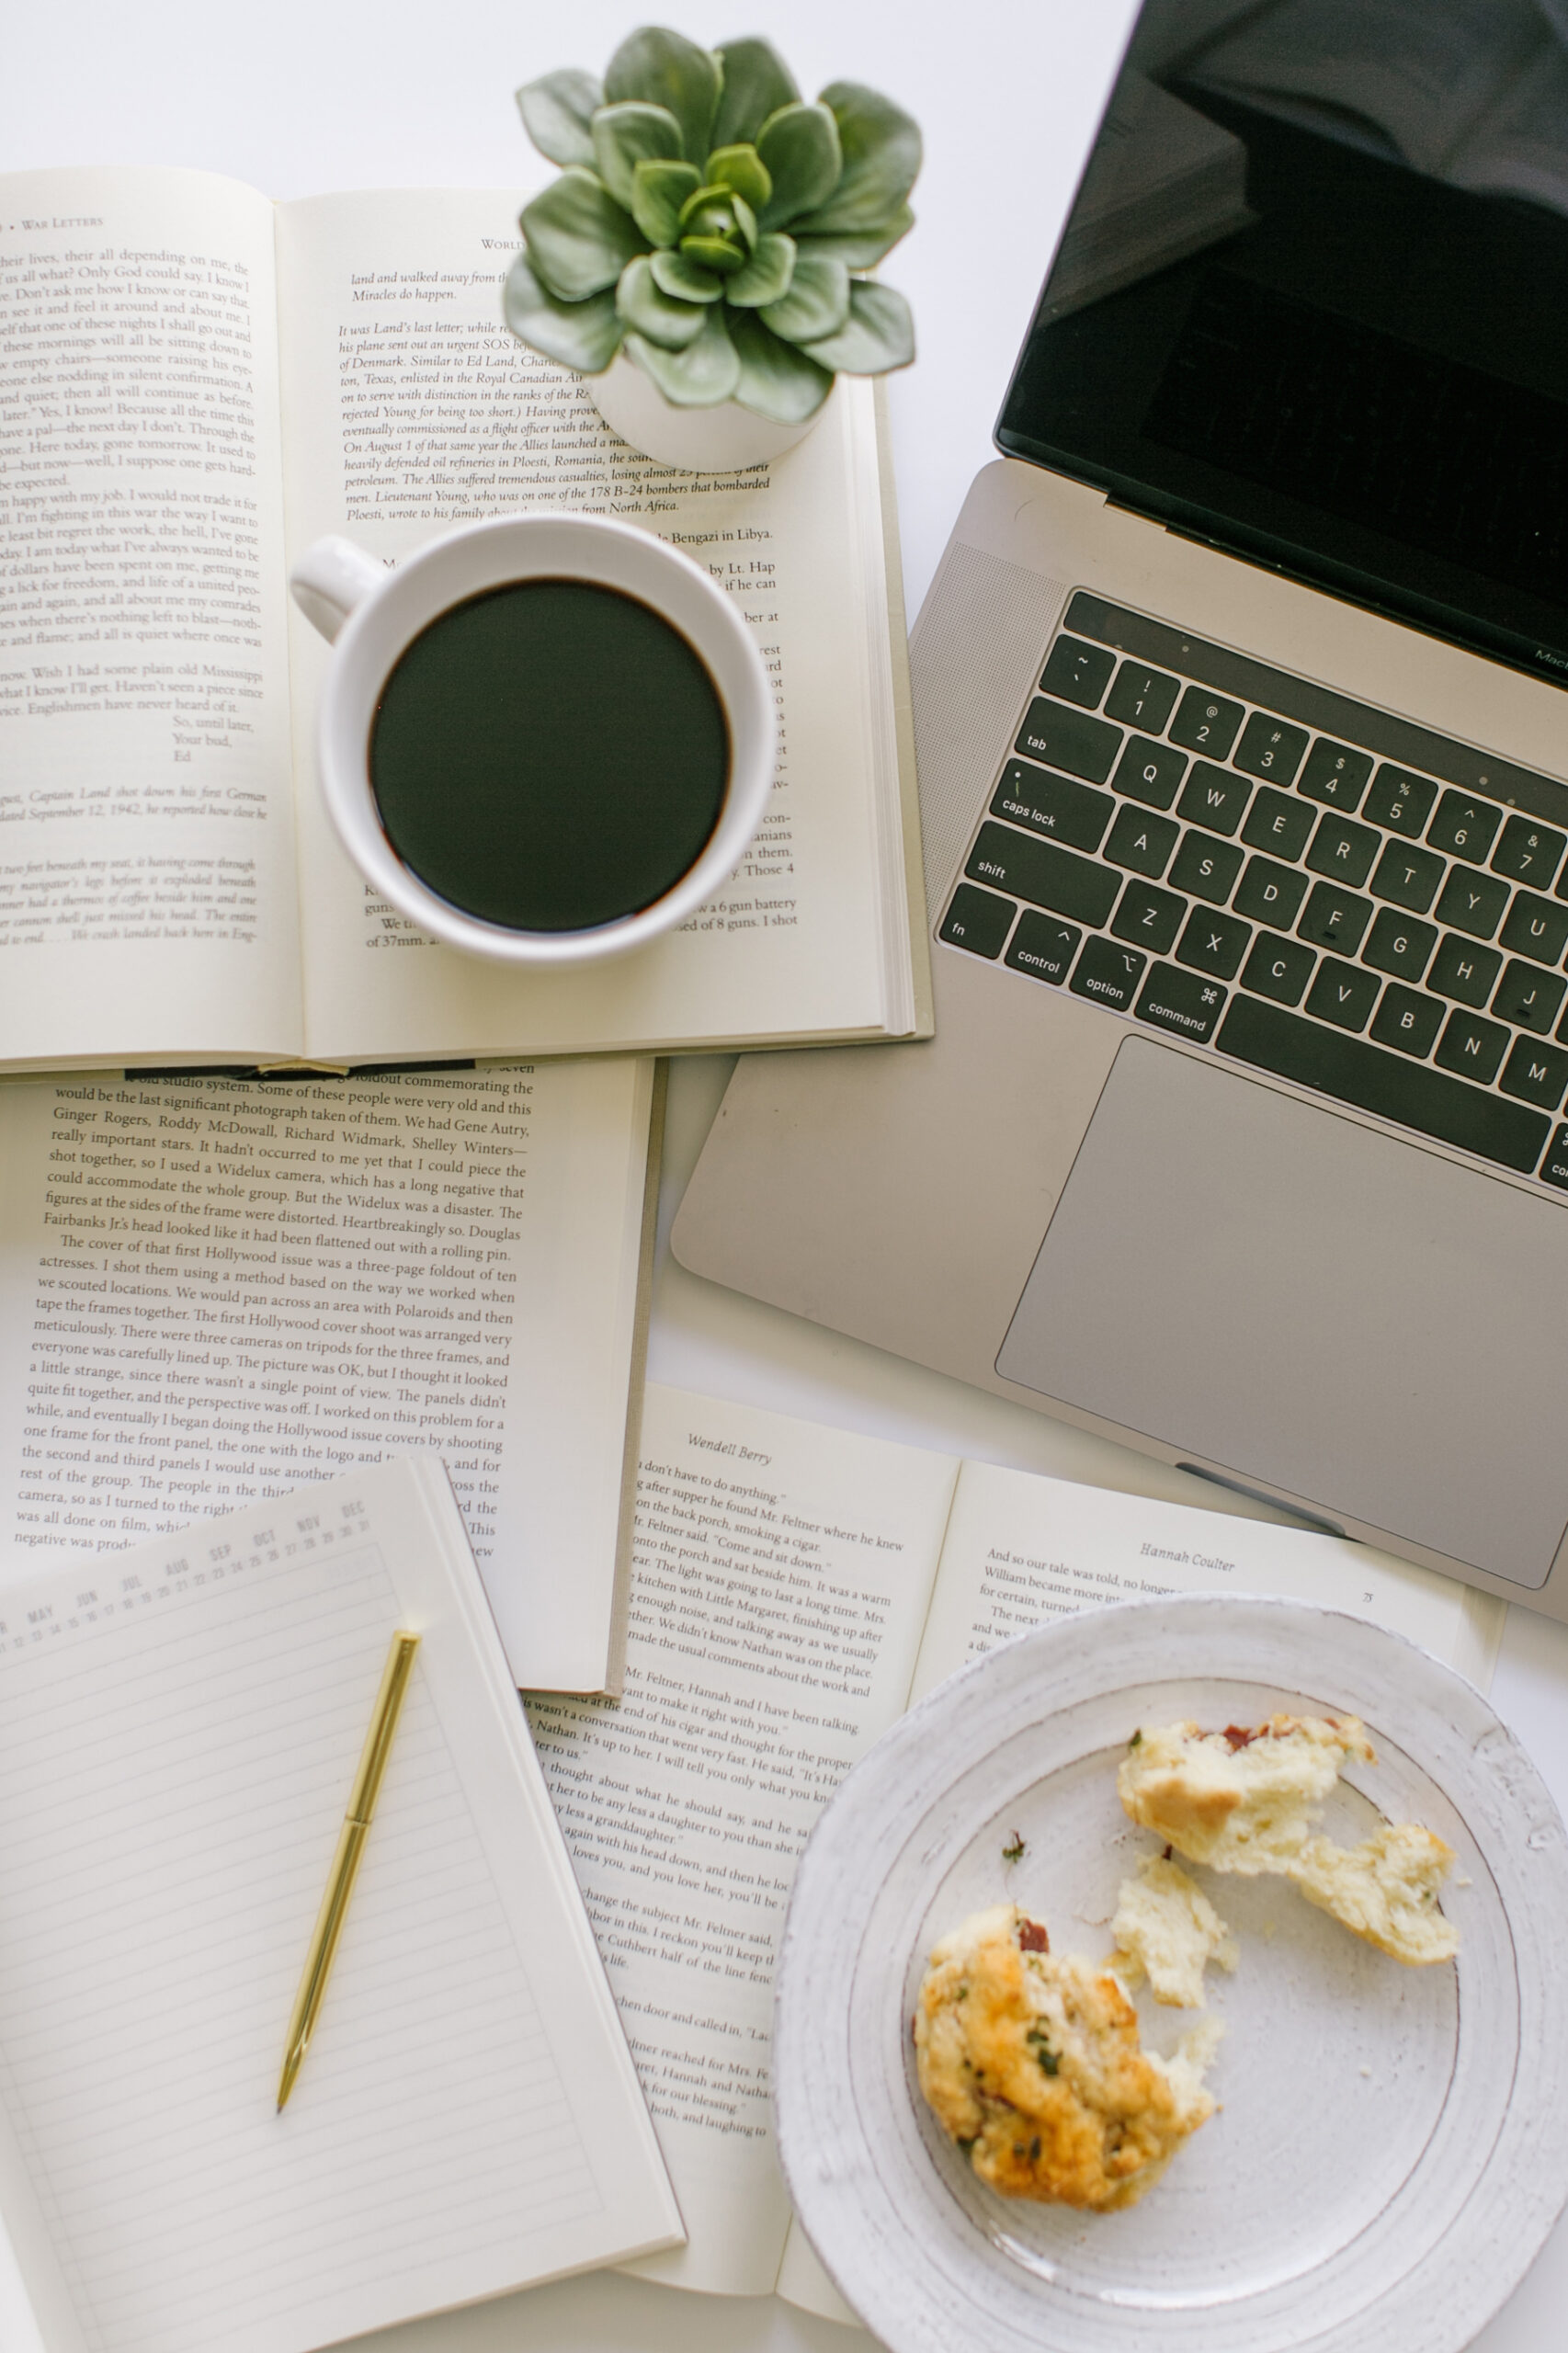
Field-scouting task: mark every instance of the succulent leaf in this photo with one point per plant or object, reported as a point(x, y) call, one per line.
point(766, 278)
point(745, 220)
point(860, 248)
point(665, 69)
point(557, 110)
point(816, 304)
point(684, 280)
point(579, 239)
point(584, 336)
point(714, 253)
point(743, 170)
point(776, 379)
point(658, 191)
point(881, 156)
point(799, 145)
point(702, 375)
point(877, 335)
point(645, 307)
point(757, 84)
point(629, 134)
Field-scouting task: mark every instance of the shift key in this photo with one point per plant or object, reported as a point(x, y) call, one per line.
point(1044, 875)
point(1065, 738)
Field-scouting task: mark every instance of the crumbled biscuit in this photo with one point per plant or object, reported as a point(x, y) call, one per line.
point(1167, 1931)
point(1031, 2062)
point(1238, 1800)
point(1245, 1801)
point(1385, 1890)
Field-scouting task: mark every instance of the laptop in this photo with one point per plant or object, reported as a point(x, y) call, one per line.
point(1243, 740)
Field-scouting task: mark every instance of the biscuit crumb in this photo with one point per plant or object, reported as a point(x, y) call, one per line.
point(1167, 1931)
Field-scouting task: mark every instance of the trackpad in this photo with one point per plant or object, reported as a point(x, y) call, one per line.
point(1312, 1305)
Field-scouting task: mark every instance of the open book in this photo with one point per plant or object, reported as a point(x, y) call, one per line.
point(196, 384)
point(793, 1589)
point(179, 1728)
point(212, 1290)
point(1474, 92)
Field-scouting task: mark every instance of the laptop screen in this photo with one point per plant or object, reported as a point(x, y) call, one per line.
point(1312, 304)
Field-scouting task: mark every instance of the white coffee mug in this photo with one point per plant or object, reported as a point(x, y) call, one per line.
point(370, 614)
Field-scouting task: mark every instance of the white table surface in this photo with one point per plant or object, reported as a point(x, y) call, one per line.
point(303, 95)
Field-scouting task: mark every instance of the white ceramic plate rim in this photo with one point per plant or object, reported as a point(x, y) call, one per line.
point(904, 2272)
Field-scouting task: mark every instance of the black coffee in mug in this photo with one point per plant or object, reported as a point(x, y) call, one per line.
point(550, 756)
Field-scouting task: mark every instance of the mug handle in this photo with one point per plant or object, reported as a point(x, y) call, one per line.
point(330, 579)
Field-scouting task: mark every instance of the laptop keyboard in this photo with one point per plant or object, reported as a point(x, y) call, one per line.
point(1251, 863)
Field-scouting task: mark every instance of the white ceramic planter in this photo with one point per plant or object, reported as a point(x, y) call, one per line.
point(697, 441)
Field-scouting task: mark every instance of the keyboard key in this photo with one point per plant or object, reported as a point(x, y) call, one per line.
point(1206, 723)
point(1077, 672)
point(1537, 927)
point(1409, 877)
point(1045, 875)
point(1336, 774)
point(1270, 749)
point(1142, 698)
point(1471, 1048)
point(1149, 772)
point(1401, 801)
point(1149, 918)
point(977, 920)
point(1528, 997)
point(1214, 944)
point(1469, 973)
point(1271, 893)
point(1042, 947)
point(1214, 798)
point(1555, 1167)
point(1052, 804)
point(1400, 946)
point(1109, 974)
point(1276, 822)
point(1534, 1074)
point(1409, 1093)
point(1278, 968)
point(1183, 1002)
point(1529, 853)
point(1464, 826)
point(1344, 851)
point(1343, 993)
point(1206, 868)
point(1335, 919)
point(1471, 903)
point(1069, 739)
point(1141, 842)
point(1408, 1020)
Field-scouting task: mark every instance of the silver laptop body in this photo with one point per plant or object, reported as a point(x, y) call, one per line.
point(1241, 1137)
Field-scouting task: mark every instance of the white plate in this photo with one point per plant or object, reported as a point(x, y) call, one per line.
point(1393, 2144)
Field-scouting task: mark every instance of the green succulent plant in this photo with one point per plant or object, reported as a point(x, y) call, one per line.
point(712, 224)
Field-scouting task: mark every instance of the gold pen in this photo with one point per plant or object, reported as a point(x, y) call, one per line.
point(346, 1862)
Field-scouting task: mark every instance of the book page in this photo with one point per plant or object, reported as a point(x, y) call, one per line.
point(147, 897)
point(211, 1290)
point(1421, 75)
point(179, 1734)
point(781, 1577)
point(409, 409)
point(1021, 1548)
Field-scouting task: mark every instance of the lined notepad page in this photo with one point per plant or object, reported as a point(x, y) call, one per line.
point(179, 1732)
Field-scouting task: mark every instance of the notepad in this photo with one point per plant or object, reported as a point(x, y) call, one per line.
point(178, 1730)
